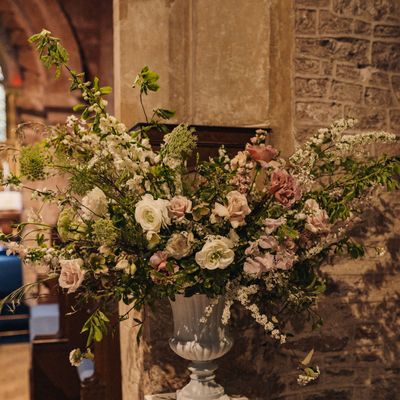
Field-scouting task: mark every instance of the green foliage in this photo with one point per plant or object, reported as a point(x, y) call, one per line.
point(147, 81)
point(51, 52)
point(96, 327)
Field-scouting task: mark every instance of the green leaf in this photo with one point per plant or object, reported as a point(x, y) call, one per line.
point(163, 113)
point(105, 89)
point(78, 107)
point(307, 359)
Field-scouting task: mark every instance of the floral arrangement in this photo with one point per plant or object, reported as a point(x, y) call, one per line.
point(136, 225)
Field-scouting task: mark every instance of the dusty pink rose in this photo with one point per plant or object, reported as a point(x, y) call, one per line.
point(271, 224)
point(284, 187)
point(178, 206)
point(262, 153)
point(259, 264)
point(268, 242)
point(71, 275)
point(159, 260)
point(284, 260)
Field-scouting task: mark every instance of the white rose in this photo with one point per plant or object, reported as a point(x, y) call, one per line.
point(179, 245)
point(94, 204)
point(152, 214)
point(216, 253)
point(72, 274)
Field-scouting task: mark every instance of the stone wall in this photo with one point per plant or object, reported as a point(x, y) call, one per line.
point(347, 63)
point(316, 60)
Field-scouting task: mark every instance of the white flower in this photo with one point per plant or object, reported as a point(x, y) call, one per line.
point(179, 245)
point(152, 214)
point(75, 357)
point(72, 274)
point(216, 253)
point(94, 204)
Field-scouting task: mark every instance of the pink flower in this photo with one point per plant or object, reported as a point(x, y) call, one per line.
point(71, 275)
point(159, 260)
point(262, 153)
point(272, 224)
point(284, 187)
point(178, 206)
point(268, 242)
point(237, 208)
point(284, 260)
point(259, 264)
point(235, 211)
point(318, 223)
point(317, 220)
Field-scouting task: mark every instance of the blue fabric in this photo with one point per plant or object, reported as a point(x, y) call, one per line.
point(11, 279)
point(10, 273)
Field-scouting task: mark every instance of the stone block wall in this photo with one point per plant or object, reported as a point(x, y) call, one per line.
point(325, 59)
point(347, 63)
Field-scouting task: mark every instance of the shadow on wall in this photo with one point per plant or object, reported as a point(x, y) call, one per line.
point(357, 349)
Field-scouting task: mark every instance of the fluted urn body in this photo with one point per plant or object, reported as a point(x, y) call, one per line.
point(200, 342)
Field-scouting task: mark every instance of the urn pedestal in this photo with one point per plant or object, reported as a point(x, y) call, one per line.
point(201, 343)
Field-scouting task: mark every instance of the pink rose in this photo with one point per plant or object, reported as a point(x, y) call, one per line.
point(259, 264)
point(178, 206)
point(159, 260)
point(71, 275)
point(237, 208)
point(284, 187)
point(262, 153)
point(235, 211)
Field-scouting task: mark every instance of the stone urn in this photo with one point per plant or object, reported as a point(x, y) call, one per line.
point(201, 342)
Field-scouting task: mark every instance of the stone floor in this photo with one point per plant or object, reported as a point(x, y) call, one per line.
point(14, 367)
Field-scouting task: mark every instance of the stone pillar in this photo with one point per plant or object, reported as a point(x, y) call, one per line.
point(225, 62)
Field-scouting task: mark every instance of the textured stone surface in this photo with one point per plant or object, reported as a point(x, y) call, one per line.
point(338, 70)
point(357, 46)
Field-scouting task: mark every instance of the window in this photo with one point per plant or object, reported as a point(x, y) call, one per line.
point(3, 111)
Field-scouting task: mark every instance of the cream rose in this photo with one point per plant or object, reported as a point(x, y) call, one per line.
point(235, 211)
point(72, 274)
point(94, 204)
point(152, 214)
point(179, 206)
point(216, 253)
point(179, 245)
